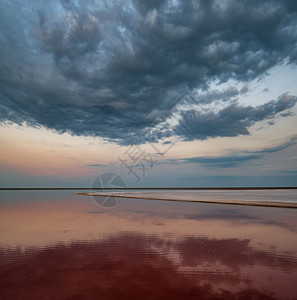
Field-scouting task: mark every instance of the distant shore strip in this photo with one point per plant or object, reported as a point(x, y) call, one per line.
point(143, 188)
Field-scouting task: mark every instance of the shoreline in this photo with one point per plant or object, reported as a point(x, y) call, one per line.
point(155, 188)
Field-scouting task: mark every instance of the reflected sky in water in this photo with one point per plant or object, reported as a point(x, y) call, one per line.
point(58, 245)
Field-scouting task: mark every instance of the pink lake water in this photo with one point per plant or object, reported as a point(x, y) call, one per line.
point(59, 245)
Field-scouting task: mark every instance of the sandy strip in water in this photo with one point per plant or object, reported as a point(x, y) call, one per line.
point(192, 199)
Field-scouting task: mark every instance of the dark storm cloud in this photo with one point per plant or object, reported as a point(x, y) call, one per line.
point(232, 120)
point(236, 159)
point(110, 69)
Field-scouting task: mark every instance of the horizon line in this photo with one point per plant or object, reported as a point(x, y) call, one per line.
point(149, 188)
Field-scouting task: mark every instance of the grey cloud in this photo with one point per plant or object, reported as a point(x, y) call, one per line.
point(109, 68)
point(283, 146)
point(236, 159)
point(271, 122)
point(290, 172)
point(223, 161)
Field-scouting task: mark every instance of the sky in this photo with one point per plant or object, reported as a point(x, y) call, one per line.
point(162, 93)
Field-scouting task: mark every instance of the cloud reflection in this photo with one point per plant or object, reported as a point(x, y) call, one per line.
point(138, 266)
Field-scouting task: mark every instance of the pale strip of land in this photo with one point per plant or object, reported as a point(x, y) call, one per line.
point(191, 198)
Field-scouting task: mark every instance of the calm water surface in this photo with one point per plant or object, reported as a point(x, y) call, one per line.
point(58, 245)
